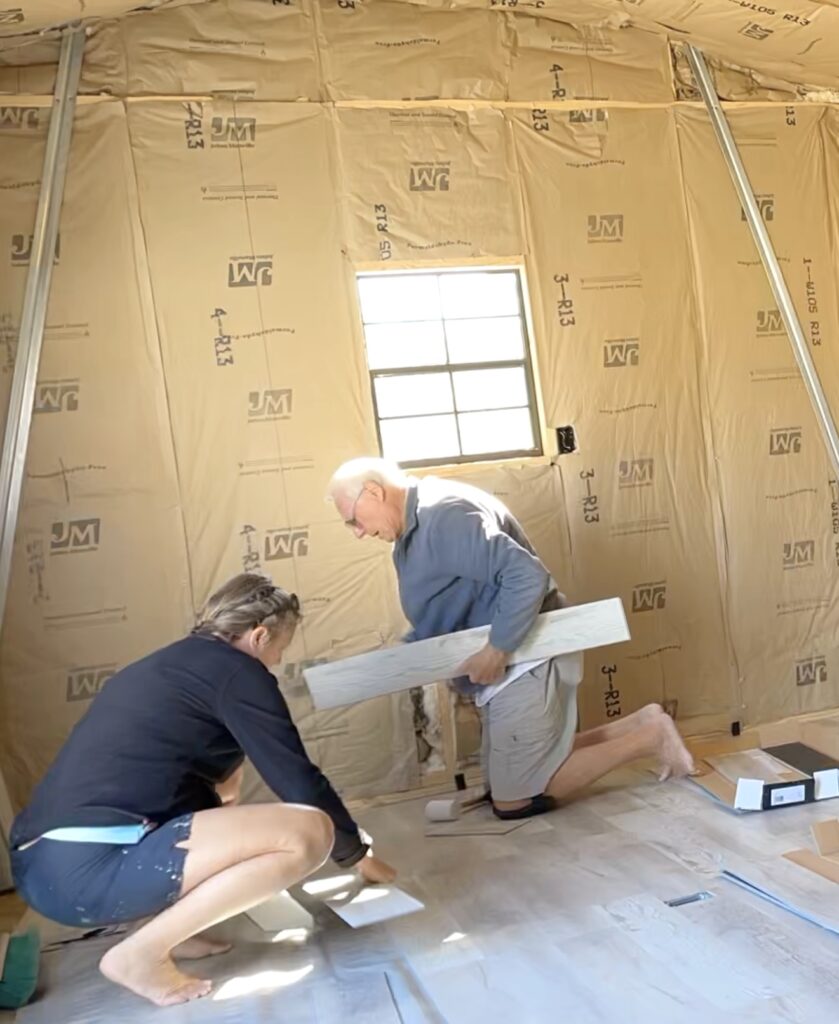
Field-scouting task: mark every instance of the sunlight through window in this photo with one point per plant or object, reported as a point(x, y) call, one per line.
point(266, 981)
point(296, 935)
point(367, 895)
point(321, 885)
point(450, 365)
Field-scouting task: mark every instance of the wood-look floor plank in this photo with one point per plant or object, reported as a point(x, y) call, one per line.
point(627, 984)
point(558, 634)
point(698, 954)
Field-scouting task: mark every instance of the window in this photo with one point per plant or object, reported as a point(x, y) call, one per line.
point(449, 363)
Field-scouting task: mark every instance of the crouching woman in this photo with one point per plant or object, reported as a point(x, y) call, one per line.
point(137, 816)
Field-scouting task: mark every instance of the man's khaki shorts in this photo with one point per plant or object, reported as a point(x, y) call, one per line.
point(528, 732)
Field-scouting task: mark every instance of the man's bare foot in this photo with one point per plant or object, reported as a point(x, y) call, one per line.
point(650, 713)
point(198, 947)
point(159, 981)
point(675, 758)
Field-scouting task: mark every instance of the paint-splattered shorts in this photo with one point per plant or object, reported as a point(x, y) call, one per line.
point(81, 884)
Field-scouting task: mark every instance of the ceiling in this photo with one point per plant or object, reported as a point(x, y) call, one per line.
point(18, 16)
point(798, 42)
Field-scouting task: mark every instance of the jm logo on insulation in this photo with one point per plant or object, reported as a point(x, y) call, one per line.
point(636, 472)
point(785, 441)
point(429, 178)
point(649, 597)
point(810, 671)
point(275, 404)
point(799, 554)
point(621, 352)
point(57, 397)
point(85, 683)
point(233, 131)
point(605, 227)
point(753, 30)
point(769, 323)
point(766, 205)
point(20, 118)
point(75, 536)
point(587, 116)
point(22, 249)
point(280, 544)
point(250, 271)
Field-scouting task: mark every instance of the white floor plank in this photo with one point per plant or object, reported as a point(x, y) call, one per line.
point(555, 634)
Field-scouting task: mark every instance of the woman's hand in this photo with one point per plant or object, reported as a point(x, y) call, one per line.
point(229, 791)
point(375, 871)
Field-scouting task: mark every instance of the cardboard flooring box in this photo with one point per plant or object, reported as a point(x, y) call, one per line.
point(797, 762)
point(826, 861)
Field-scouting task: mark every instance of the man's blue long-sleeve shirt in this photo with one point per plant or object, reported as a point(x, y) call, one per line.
point(463, 560)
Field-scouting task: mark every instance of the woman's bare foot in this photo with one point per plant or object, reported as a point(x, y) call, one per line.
point(157, 980)
point(198, 947)
point(675, 758)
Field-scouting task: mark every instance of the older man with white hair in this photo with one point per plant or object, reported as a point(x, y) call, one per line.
point(463, 560)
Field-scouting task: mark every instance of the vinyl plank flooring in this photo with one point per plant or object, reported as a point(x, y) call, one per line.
point(253, 983)
point(805, 889)
point(682, 839)
point(563, 919)
point(364, 1000)
point(527, 989)
point(698, 955)
point(434, 940)
point(611, 801)
point(625, 983)
point(769, 825)
point(706, 835)
point(792, 947)
point(566, 827)
point(679, 796)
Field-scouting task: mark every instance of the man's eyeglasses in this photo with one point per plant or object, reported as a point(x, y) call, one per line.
point(352, 523)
